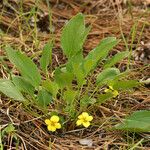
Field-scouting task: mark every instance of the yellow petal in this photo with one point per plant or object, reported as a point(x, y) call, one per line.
point(90, 118)
point(79, 122)
point(111, 88)
point(85, 115)
point(86, 124)
point(51, 128)
point(115, 93)
point(47, 121)
point(107, 90)
point(54, 118)
point(58, 125)
point(80, 116)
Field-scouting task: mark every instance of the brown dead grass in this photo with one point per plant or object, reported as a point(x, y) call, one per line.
point(108, 18)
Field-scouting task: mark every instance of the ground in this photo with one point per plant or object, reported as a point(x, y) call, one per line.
point(126, 20)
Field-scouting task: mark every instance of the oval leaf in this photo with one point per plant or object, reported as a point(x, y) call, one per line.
point(86, 100)
point(73, 35)
point(51, 87)
point(9, 89)
point(118, 57)
point(44, 98)
point(23, 85)
point(99, 53)
point(25, 65)
point(107, 75)
point(104, 97)
point(139, 121)
point(46, 56)
point(69, 97)
point(125, 85)
point(63, 78)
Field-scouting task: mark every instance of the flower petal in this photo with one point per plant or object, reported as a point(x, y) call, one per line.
point(111, 88)
point(80, 117)
point(86, 124)
point(58, 125)
point(47, 121)
point(115, 93)
point(107, 90)
point(54, 118)
point(51, 128)
point(85, 115)
point(79, 122)
point(90, 118)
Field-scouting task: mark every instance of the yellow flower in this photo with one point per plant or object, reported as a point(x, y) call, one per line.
point(53, 123)
point(84, 119)
point(111, 90)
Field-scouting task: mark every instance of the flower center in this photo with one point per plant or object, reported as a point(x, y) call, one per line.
point(85, 120)
point(53, 123)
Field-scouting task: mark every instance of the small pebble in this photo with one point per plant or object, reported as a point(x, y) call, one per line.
point(87, 142)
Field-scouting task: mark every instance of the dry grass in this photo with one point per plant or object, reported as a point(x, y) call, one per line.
point(108, 18)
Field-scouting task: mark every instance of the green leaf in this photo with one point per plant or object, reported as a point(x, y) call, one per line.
point(74, 63)
point(118, 57)
point(104, 97)
point(9, 129)
point(139, 121)
point(86, 32)
point(69, 98)
point(73, 35)
point(73, 66)
point(9, 89)
point(63, 78)
point(23, 85)
point(125, 85)
point(44, 98)
point(46, 58)
point(99, 53)
point(86, 100)
point(25, 65)
point(51, 87)
point(107, 75)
